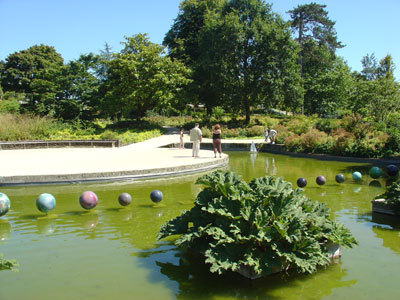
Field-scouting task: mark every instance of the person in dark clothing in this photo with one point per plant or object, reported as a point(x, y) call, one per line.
point(216, 137)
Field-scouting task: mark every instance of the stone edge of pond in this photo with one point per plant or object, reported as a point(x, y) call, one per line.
point(131, 175)
point(279, 149)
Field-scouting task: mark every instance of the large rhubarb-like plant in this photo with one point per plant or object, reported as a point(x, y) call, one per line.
point(263, 226)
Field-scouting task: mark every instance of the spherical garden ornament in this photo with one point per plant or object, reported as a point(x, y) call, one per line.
point(357, 176)
point(320, 180)
point(392, 170)
point(124, 199)
point(301, 182)
point(375, 172)
point(45, 202)
point(5, 204)
point(88, 200)
point(339, 178)
point(156, 196)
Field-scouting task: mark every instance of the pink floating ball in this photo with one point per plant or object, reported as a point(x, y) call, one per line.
point(88, 200)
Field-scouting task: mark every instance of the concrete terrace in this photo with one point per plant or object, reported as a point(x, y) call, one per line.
point(149, 159)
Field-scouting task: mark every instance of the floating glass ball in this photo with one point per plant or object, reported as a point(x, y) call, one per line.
point(339, 178)
point(88, 200)
point(45, 202)
point(357, 176)
point(320, 180)
point(301, 182)
point(156, 196)
point(375, 172)
point(5, 204)
point(392, 170)
point(124, 199)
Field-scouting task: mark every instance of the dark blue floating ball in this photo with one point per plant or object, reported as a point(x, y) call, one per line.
point(339, 178)
point(124, 199)
point(301, 182)
point(320, 180)
point(392, 170)
point(156, 196)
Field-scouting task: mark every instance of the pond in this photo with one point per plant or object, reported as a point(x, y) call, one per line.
point(112, 252)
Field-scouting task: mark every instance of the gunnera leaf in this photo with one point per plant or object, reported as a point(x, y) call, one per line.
point(256, 228)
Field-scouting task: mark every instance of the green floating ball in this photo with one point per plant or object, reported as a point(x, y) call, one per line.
point(357, 176)
point(5, 204)
point(45, 202)
point(375, 172)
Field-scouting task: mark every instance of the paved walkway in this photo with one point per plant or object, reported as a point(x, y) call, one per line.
point(135, 161)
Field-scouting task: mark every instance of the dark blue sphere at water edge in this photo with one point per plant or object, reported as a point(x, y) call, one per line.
point(339, 178)
point(392, 170)
point(156, 196)
point(301, 182)
point(320, 180)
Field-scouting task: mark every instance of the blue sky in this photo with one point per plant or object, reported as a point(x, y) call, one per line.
point(76, 27)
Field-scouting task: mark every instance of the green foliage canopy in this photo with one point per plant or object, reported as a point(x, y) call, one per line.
point(264, 226)
point(142, 78)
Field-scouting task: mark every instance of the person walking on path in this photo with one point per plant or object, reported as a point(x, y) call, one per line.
point(181, 144)
point(216, 137)
point(196, 137)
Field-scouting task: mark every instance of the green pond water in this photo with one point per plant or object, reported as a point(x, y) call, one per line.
point(112, 252)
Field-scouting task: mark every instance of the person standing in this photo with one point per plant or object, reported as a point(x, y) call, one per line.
point(181, 144)
point(216, 137)
point(196, 137)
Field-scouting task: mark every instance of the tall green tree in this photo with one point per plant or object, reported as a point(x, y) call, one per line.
point(80, 88)
point(183, 43)
point(34, 72)
point(377, 93)
point(316, 35)
point(141, 77)
point(250, 56)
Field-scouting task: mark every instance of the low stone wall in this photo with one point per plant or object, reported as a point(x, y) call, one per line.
point(59, 144)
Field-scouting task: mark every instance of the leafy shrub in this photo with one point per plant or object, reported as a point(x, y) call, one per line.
point(315, 141)
point(6, 264)
point(300, 125)
point(25, 127)
point(217, 113)
point(229, 133)
point(255, 130)
point(293, 143)
point(392, 196)
point(109, 135)
point(263, 226)
point(206, 132)
point(9, 106)
point(327, 125)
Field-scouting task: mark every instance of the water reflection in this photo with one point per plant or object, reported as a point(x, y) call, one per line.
point(5, 230)
point(270, 167)
point(196, 282)
point(46, 226)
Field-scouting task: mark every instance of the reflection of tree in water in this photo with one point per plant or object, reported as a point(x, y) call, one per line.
point(196, 282)
point(387, 228)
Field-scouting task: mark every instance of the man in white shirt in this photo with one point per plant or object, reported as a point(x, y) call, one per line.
point(196, 137)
